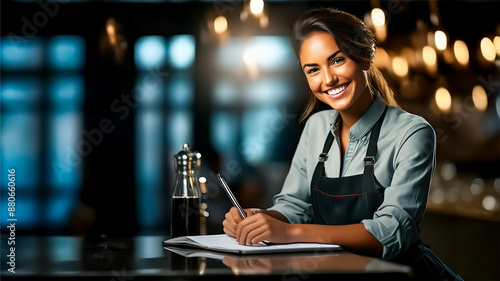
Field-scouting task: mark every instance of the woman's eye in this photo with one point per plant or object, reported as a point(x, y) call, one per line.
point(312, 70)
point(337, 60)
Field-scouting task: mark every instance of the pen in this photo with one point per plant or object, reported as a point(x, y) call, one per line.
point(234, 201)
point(231, 196)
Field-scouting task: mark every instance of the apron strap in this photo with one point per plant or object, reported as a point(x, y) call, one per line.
point(320, 167)
point(375, 198)
point(328, 143)
point(372, 146)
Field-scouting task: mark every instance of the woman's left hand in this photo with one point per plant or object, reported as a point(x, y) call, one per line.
point(260, 227)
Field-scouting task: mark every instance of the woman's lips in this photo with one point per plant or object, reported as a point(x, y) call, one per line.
point(337, 91)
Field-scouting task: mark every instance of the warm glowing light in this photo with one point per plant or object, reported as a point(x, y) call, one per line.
point(429, 55)
point(489, 203)
point(264, 21)
point(440, 40)
point(378, 17)
point(496, 42)
point(400, 66)
point(488, 49)
point(381, 33)
point(111, 30)
point(220, 24)
point(443, 99)
point(256, 6)
point(382, 59)
point(461, 52)
point(479, 98)
point(203, 185)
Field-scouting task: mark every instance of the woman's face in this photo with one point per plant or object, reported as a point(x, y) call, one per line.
point(333, 78)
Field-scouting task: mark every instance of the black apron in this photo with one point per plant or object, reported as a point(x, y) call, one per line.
point(351, 199)
point(346, 200)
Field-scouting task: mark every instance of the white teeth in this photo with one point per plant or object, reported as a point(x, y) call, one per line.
point(337, 90)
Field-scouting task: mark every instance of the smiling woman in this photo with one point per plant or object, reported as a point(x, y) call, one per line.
point(368, 190)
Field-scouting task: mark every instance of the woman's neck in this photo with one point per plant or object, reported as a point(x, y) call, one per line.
point(354, 113)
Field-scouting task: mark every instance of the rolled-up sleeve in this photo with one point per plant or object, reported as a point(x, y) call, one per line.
point(395, 223)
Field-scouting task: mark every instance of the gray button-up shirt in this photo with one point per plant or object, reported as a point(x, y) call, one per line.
point(404, 164)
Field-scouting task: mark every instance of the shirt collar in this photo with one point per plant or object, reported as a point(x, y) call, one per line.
point(366, 122)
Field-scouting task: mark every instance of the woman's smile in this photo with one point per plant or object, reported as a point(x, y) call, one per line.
point(338, 91)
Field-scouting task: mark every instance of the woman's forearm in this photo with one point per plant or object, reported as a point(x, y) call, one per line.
point(353, 237)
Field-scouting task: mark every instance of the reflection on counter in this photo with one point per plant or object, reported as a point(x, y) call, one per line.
point(323, 261)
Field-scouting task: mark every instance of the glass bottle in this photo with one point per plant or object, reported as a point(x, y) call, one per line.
point(185, 213)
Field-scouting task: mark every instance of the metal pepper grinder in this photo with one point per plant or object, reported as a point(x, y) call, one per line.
point(185, 213)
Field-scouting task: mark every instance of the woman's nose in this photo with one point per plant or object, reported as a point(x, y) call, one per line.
point(330, 78)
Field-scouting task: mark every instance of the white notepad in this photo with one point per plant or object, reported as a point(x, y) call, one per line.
point(226, 243)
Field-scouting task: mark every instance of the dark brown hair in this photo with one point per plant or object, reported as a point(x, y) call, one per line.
point(353, 39)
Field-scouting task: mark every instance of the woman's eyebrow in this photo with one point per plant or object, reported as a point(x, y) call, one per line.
point(329, 58)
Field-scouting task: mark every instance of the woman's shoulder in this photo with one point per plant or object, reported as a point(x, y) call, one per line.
point(402, 126)
point(399, 118)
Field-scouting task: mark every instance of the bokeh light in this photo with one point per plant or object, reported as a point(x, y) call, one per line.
point(479, 98)
point(400, 66)
point(443, 99)
point(488, 49)
point(256, 6)
point(461, 52)
point(378, 17)
point(441, 40)
point(220, 24)
point(429, 55)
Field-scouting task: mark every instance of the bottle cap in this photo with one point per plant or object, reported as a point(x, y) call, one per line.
point(185, 159)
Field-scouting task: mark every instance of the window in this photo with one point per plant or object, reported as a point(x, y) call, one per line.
point(42, 94)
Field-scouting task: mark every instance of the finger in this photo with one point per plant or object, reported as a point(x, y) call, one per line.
point(228, 229)
point(256, 235)
point(241, 233)
point(244, 228)
point(231, 216)
point(228, 261)
point(236, 215)
point(249, 212)
point(239, 227)
point(229, 222)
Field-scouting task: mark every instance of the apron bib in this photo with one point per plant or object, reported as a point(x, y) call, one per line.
point(351, 199)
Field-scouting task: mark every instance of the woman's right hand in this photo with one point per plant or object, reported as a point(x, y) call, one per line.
point(233, 217)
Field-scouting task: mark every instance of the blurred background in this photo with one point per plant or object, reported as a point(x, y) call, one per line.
point(98, 96)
